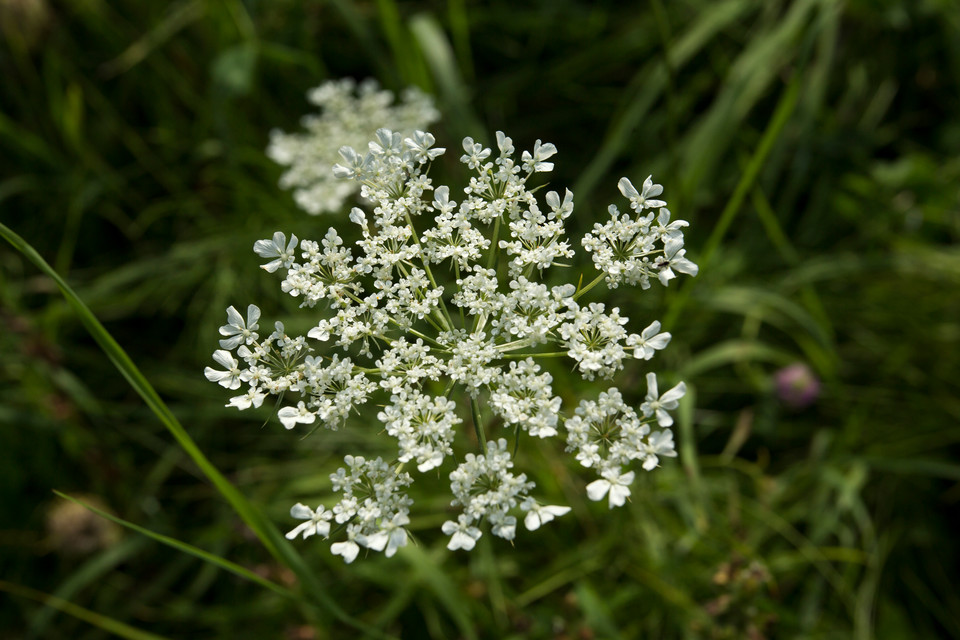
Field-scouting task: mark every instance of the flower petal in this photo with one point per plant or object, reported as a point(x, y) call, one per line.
point(597, 489)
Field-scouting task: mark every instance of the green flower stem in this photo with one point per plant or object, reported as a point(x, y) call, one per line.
point(449, 389)
point(354, 297)
point(477, 423)
point(594, 283)
point(423, 336)
point(367, 371)
point(447, 318)
point(520, 356)
point(456, 274)
point(436, 320)
point(480, 319)
point(494, 244)
point(516, 344)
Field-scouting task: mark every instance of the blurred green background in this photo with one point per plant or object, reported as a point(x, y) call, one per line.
point(813, 146)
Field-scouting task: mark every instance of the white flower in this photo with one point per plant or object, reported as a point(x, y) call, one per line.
point(391, 537)
point(649, 341)
point(606, 433)
point(238, 330)
point(625, 248)
point(538, 515)
point(356, 164)
point(535, 162)
point(561, 210)
point(660, 443)
point(317, 522)
point(644, 200)
point(659, 405)
point(278, 248)
point(349, 115)
point(421, 310)
point(525, 398)
point(486, 489)
point(595, 339)
point(475, 153)
point(229, 379)
point(667, 229)
point(421, 144)
point(471, 357)
point(348, 549)
point(505, 144)
point(503, 525)
point(673, 258)
point(424, 427)
point(478, 294)
point(291, 416)
point(462, 535)
point(374, 506)
point(613, 482)
point(252, 398)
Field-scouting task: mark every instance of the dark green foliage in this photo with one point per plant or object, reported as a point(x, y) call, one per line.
point(812, 145)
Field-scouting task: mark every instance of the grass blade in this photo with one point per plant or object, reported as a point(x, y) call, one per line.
point(89, 573)
point(268, 535)
point(777, 122)
point(96, 619)
point(206, 556)
point(437, 51)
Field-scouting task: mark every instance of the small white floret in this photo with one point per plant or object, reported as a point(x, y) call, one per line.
point(614, 484)
point(291, 416)
point(539, 515)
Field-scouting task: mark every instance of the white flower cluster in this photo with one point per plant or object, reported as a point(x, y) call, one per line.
point(412, 341)
point(349, 114)
point(625, 247)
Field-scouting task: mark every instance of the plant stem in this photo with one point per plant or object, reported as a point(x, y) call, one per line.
point(492, 258)
point(477, 424)
point(447, 320)
point(594, 283)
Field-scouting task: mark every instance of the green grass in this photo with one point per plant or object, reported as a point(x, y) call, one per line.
point(817, 168)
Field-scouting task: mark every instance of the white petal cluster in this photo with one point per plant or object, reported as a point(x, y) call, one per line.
point(596, 339)
point(373, 505)
point(407, 364)
point(635, 247)
point(472, 359)
point(524, 398)
point(658, 405)
point(532, 311)
point(317, 522)
point(536, 237)
point(486, 489)
point(444, 302)
point(423, 426)
point(349, 115)
point(237, 331)
point(607, 435)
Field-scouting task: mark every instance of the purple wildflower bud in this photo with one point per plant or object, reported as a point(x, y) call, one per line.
point(797, 385)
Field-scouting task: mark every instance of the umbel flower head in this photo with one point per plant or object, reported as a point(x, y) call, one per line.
point(349, 115)
point(444, 303)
